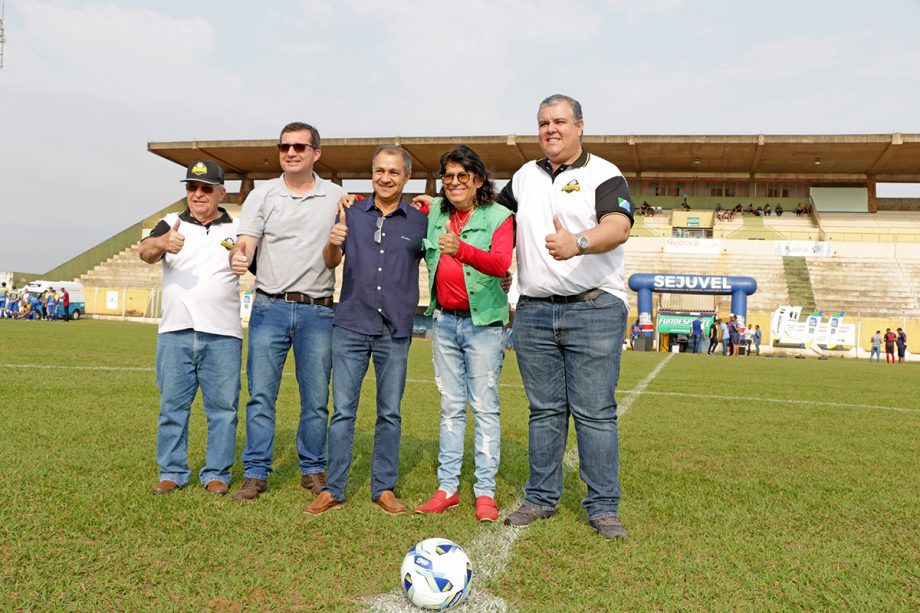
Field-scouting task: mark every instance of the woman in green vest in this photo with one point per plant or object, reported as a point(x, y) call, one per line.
point(468, 250)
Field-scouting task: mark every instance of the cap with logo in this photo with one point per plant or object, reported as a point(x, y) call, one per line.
point(204, 171)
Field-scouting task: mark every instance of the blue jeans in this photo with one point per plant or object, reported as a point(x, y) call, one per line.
point(187, 360)
point(695, 342)
point(467, 365)
point(569, 357)
point(876, 351)
point(276, 326)
point(350, 356)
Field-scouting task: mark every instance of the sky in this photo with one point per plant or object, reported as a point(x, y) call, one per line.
point(86, 85)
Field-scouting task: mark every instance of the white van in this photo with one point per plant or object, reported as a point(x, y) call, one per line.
point(77, 295)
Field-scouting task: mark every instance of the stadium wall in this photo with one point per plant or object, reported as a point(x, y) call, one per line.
point(76, 266)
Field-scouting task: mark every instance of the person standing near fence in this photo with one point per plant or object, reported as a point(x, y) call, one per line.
point(200, 337)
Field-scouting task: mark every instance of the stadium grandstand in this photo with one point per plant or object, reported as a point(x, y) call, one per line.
point(836, 248)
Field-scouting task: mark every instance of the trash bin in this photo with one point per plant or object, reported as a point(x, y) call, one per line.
point(675, 348)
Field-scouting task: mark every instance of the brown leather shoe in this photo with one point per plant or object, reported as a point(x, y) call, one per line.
point(251, 489)
point(218, 488)
point(389, 503)
point(324, 502)
point(164, 487)
point(314, 482)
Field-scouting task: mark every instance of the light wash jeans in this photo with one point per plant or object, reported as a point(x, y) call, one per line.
point(569, 357)
point(350, 356)
point(187, 360)
point(275, 326)
point(467, 365)
point(876, 351)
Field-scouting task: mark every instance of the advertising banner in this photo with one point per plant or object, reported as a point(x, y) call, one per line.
point(804, 249)
point(679, 323)
point(788, 330)
point(709, 246)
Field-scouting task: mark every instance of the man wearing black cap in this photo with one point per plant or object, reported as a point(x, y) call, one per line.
point(200, 336)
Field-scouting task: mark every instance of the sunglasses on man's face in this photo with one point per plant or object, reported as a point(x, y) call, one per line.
point(208, 189)
point(298, 147)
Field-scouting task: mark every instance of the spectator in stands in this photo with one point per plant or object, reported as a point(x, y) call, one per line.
point(890, 338)
point(715, 336)
point(759, 211)
point(799, 210)
point(685, 205)
point(876, 347)
point(471, 240)
point(696, 335)
point(779, 209)
point(579, 263)
point(766, 210)
point(289, 219)
point(200, 338)
point(373, 321)
point(750, 209)
point(65, 303)
point(739, 209)
point(902, 345)
point(720, 212)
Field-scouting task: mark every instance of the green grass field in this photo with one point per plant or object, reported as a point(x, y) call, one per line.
point(749, 483)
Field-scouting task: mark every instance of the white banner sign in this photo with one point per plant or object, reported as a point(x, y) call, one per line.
point(111, 301)
point(710, 246)
point(803, 249)
point(787, 329)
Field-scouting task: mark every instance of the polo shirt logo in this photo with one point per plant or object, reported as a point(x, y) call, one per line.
point(571, 186)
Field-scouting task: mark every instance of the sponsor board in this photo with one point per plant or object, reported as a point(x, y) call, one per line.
point(803, 249)
point(709, 246)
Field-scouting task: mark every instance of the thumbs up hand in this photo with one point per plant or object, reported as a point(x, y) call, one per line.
point(449, 242)
point(339, 230)
point(239, 261)
point(561, 244)
point(174, 240)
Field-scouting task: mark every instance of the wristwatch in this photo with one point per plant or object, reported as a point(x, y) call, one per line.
point(582, 241)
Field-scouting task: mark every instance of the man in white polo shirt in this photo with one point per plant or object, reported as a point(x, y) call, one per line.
point(200, 337)
point(574, 212)
point(289, 219)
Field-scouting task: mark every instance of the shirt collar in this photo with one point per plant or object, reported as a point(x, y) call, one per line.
point(581, 160)
point(319, 188)
point(186, 216)
point(403, 206)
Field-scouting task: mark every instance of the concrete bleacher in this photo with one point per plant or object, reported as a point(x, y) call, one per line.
point(866, 285)
point(880, 227)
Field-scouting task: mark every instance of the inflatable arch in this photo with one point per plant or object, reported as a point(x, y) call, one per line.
point(646, 283)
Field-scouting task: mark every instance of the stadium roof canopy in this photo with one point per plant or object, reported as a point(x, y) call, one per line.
point(858, 158)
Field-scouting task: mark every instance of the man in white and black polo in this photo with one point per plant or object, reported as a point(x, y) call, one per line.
point(574, 212)
point(200, 338)
point(289, 219)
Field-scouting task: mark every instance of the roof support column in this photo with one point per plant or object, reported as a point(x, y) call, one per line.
point(430, 184)
point(873, 199)
point(335, 179)
point(246, 186)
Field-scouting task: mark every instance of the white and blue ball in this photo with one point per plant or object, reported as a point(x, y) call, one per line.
point(436, 574)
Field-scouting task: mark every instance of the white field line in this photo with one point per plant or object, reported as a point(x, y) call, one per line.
point(491, 549)
point(622, 406)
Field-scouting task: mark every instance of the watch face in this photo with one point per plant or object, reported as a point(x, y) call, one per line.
point(582, 242)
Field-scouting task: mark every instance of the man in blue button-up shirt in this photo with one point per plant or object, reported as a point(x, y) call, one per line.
point(381, 240)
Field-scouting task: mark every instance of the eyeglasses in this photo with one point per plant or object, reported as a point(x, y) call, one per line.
point(462, 177)
point(378, 234)
point(208, 189)
point(298, 147)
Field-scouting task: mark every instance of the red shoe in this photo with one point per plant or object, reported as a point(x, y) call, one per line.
point(486, 509)
point(439, 503)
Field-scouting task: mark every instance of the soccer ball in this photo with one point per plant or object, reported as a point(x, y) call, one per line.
point(436, 574)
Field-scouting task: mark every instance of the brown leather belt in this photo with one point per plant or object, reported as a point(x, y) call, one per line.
point(457, 313)
point(591, 294)
point(299, 298)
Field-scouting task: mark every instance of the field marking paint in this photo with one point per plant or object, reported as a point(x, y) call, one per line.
point(492, 548)
point(623, 405)
point(570, 459)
